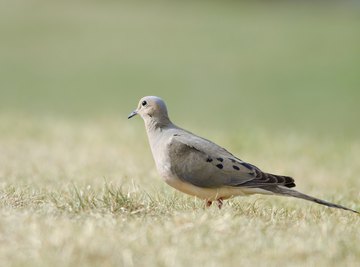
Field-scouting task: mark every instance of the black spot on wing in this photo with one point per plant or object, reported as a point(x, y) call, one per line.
point(247, 165)
point(209, 159)
point(220, 166)
point(236, 167)
point(232, 160)
point(220, 159)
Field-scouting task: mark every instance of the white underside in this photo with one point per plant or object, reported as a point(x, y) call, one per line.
point(212, 194)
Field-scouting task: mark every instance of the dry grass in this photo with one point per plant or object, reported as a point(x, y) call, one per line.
point(83, 191)
point(87, 194)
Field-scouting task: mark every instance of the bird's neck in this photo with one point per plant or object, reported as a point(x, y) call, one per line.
point(157, 130)
point(154, 124)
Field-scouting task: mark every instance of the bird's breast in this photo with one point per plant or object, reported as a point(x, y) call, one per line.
point(161, 157)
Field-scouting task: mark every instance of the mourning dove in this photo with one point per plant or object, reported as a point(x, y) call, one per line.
point(199, 167)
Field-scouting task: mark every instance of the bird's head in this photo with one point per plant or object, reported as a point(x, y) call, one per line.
point(151, 109)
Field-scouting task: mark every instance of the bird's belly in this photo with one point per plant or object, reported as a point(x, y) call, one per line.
point(212, 194)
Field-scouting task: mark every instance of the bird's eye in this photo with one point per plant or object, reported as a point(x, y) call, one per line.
point(144, 103)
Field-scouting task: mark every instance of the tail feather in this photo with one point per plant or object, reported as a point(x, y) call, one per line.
point(279, 190)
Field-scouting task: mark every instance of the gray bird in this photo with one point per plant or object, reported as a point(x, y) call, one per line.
point(199, 167)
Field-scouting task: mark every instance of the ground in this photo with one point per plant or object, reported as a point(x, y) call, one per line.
point(277, 84)
point(88, 194)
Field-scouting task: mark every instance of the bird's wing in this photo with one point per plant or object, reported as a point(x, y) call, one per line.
point(203, 163)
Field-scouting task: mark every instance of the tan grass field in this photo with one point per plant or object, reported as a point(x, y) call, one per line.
point(275, 82)
point(87, 194)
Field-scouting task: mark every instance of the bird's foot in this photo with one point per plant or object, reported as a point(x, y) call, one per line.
point(208, 203)
point(220, 203)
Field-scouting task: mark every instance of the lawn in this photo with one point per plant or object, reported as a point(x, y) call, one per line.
point(276, 84)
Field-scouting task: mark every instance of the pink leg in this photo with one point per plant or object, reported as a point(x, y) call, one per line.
point(208, 203)
point(220, 203)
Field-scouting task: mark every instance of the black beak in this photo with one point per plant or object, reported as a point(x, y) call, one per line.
point(132, 114)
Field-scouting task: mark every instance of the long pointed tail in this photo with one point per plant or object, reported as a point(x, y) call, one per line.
point(279, 190)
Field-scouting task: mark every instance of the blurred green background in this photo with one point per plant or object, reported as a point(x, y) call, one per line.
point(282, 66)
